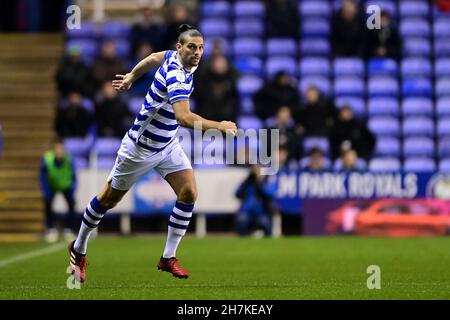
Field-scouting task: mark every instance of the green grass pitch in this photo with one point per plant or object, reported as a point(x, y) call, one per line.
point(237, 268)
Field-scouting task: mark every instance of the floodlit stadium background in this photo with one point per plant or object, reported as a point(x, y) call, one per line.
point(403, 98)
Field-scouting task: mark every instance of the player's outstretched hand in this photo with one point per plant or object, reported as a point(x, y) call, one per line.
point(123, 82)
point(228, 126)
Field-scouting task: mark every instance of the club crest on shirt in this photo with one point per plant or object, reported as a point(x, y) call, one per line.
point(180, 76)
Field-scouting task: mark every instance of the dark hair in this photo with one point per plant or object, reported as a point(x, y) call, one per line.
point(187, 30)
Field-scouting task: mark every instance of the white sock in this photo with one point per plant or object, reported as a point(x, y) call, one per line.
point(178, 224)
point(91, 218)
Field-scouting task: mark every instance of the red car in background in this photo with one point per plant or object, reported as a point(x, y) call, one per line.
point(391, 217)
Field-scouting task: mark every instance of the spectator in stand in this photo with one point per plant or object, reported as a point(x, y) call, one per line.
point(140, 86)
point(290, 137)
point(348, 30)
point(216, 93)
point(316, 160)
point(148, 30)
point(74, 75)
point(384, 42)
point(176, 15)
point(112, 115)
point(73, 120)
point(349, 161)
point(317, 114)
point(443, 5)
point(57, 174)
point(274, 94)
point(282, 19)
point(356, 132)
point(108, 64)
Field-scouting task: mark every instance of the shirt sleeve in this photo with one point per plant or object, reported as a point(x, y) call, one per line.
point(177, 89)
point(168, 53)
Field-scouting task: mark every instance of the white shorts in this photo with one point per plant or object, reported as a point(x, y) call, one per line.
point(133, 162)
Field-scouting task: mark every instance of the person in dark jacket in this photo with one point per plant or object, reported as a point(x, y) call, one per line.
point(317, 114)
point(256, 194)
point(350, 130)
point(348, 30)
point(276, 93)
point(57, 175)
point(73, 120)
point(384, 42)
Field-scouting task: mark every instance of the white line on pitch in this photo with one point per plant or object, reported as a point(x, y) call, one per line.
point(32, 254)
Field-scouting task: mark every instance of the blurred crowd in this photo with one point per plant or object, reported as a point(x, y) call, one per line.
point(89, 105)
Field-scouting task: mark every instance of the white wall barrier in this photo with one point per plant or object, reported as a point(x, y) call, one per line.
point(216, 194)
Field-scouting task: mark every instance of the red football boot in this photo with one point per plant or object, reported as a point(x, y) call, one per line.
point(171, 265)
point(77, 263)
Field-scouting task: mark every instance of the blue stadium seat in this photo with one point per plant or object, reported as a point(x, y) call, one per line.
point(444, 147)
point(209, 45)
point(323, 83)
point(89, 30)
point(443, 87)
point(418, 147)
point(443, 126)
point(441, 47)
point(312, 8)
point(419, 164)
point(249, 9)
point(386, 86)
point(442, 67)
point(116, 29)
point(80, 163)
point(123, 48)
point(249, 65)
point(86, 103)
point(316, 142)
point(379, 66)
point(416, 47)
point(275, 64)
point(443, 107)
point(248, 47)
point(107, 146)
point(385, 5)
point(444, 165)
point(216, 9)
point(281, 47)
point(414, 9)
point(414, 27)
point(78, 146)
point(315, 27)
point(135, 104)
point(349, 67)
point(383, 106)
point(441, 28)
point(349, 86)
point(358, 105)
point(105, 162)
point(315, 66)
point(417, 106)
point(360, 164)
point(215, 27)
point(384, 126)
point(248, 27)
point(315, 47)
point(387, 146)
point(414, 67)
point(418, 126)
point(249, 122)
point(248, 85)
point(387, 164)
point(417, 87)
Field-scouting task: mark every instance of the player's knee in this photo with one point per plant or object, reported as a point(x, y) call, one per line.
point(188, 194)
